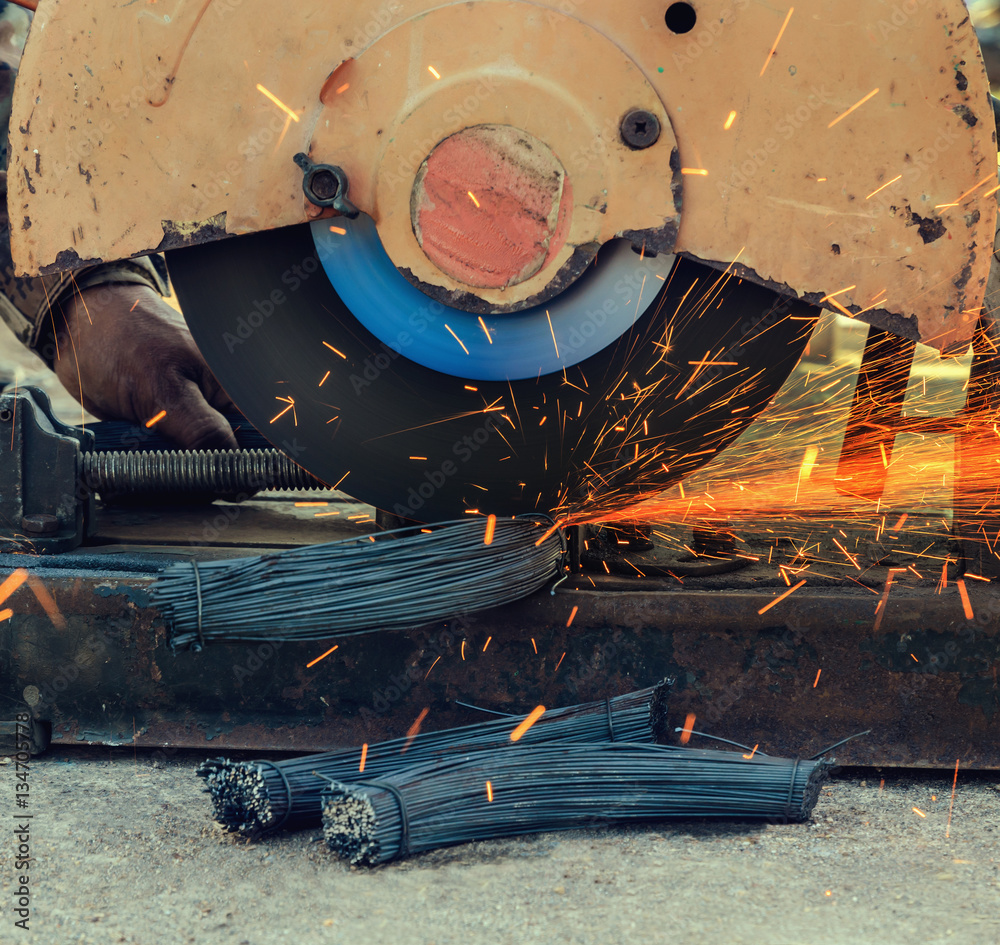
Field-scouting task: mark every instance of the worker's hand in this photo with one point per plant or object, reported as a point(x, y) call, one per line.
point(127, 355)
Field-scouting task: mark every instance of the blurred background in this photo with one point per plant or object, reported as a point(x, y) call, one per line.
point(986, 16)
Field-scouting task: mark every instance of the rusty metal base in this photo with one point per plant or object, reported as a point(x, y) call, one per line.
point(795, 679)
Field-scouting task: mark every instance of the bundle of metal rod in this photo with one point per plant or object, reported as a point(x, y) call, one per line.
point(556, 786)
point(394, 580)
point(251, 797)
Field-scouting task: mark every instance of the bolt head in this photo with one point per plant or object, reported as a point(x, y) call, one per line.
point(39, 524)
point(324, 184)
point(640, 129)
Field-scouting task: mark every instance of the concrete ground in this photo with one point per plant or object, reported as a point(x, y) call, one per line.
point(125, 850)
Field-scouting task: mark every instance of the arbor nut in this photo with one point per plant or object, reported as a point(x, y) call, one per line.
point(324, 185)
point(40, 524)
point(640, 129)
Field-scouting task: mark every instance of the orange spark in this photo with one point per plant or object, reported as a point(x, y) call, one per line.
point(883, 187)
point(432, 666)
point(487, 643)
point(840, 308)
point(532, 717)
point(552, 332)
point(414, 729)
point(434, 72)
point(816, 681)
point(472, 197)
point(13, 582)
point(781, 597)
point(752, 753)
point(334, 350)
point(729, 121)
point(880, 610)
point(489, 338)
point(850, 557)
point(919, 812)
point(324, 656)
point(561, 658)
point(463, 650)
point(489, 792)
point(343, 88)
point(774, 48)
point(534, 646)
point(310, 505)
point(134, 304)
point(688, 728)
point(364, 755)
point(968, 193)
point(572, 614)
point(459, 340)
point(325, 376)
point(152, 421)
point(899, 524)
point(47, 601)
point(339, 230)
point(6, 613)
point(277, 101)
point(491, 524)
point(854, 107)
point(291, 406)
point(966, 603)
point(550, 532)
point(694, 171)
point(951, 806)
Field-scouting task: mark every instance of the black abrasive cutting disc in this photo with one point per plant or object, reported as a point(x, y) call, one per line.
point(657, 402)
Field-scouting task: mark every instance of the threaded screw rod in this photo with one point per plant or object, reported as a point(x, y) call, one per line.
point(225, 472)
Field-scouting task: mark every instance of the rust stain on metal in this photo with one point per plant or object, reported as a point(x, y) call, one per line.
point(177, 234)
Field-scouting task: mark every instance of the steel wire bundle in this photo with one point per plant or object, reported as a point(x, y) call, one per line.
point(395, 580)
point(557, 786)
point(251, 797)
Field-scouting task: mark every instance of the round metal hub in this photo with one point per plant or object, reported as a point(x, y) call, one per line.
point(494, 168)
point(490, 206)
